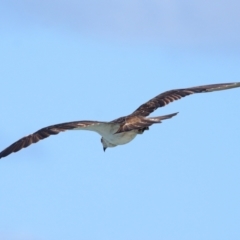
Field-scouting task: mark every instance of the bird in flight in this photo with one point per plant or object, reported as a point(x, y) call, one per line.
point(121, 130)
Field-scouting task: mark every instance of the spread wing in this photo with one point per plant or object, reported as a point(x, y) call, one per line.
point(100, 127)
point(167, 97)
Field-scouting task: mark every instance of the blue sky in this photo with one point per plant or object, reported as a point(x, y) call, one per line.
point(90, 60)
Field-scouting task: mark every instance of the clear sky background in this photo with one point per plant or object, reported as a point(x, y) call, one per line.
point(72, 60)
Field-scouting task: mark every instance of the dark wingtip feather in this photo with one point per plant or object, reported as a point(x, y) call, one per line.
point(44, 133)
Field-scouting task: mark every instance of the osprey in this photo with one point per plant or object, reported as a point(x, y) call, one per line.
point(121, 130)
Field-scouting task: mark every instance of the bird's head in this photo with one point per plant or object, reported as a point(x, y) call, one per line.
point(106, 144)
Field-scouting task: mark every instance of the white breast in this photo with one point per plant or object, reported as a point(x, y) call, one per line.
point(107, 131)
point(121, 138)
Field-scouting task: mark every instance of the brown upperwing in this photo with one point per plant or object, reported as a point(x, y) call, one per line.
point(137, 119)
point(167, 97)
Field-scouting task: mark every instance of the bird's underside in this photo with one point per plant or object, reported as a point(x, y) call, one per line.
point(121, 130)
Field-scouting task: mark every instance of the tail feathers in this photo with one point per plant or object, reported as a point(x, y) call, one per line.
point(142, 123)
point(158, 119)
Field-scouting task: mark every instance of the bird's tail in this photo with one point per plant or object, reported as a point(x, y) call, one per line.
point(142, 123)
point(159, 119)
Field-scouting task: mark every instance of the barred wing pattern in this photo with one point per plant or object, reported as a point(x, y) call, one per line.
point(46, 132)
point(167, 97)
